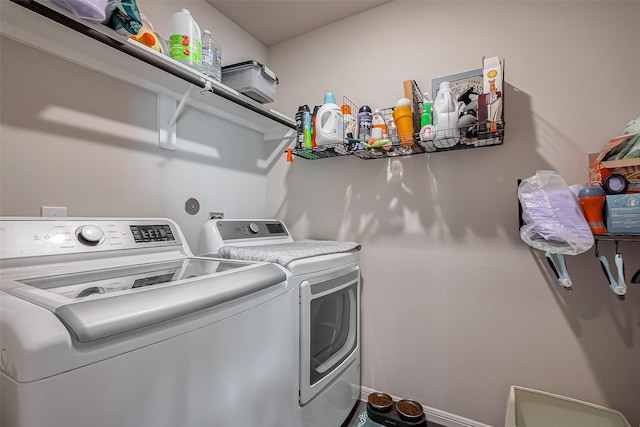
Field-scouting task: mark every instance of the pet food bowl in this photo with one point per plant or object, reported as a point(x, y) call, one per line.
point(380, 402)
point(409, 409)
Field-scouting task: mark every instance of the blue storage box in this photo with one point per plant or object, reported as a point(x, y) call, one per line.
point(623, 214)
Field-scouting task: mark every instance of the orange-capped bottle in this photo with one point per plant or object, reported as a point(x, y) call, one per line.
point(592, 201)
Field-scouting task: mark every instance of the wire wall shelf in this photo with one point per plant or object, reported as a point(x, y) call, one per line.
point(481, 138)
point(323, 151)
point(475, 135)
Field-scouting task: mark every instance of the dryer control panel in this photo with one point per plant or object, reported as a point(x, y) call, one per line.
point(247, 229)
point(30, 237)
point(217, 233)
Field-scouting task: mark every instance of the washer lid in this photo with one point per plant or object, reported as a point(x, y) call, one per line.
point(100, 303)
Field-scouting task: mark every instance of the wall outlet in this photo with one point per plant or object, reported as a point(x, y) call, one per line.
point(53, 211)
point(216, 215)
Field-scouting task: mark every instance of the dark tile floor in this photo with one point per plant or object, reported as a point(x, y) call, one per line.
point(360, 419)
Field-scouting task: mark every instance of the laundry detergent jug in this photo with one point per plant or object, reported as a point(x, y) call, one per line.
point(446, 112)
point(329, 122)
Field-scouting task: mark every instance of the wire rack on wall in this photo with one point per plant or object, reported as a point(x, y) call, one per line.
point(480, 134)
point(323, 151)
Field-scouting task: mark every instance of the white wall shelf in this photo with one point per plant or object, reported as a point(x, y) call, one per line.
point(45, 26)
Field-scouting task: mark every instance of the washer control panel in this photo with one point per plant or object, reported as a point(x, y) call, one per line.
point(24, 237)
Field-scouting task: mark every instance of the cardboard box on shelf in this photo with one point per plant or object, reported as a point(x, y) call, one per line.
point(629, 168)
point(492, 74)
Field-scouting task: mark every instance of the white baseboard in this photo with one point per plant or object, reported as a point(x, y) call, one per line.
point(432, 414)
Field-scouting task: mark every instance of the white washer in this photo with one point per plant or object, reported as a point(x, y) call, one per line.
point(113, 322)
point(326, 279)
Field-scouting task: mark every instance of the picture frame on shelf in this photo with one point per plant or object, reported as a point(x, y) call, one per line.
point(460, 83)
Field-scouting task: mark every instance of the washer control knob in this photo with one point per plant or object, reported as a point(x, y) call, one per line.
point(91, 234)
point(253, 227)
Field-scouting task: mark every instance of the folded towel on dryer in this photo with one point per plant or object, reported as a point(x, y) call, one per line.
point(284, 253)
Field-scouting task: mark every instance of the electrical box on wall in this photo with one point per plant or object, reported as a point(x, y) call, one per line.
point(53, 211)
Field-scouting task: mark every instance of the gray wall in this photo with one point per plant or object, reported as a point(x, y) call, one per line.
point(456, 308)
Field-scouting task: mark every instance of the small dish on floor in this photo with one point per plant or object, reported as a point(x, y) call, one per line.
point(380, 401)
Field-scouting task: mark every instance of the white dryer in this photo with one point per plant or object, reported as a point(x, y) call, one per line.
point(325, 276)
point(113, 322)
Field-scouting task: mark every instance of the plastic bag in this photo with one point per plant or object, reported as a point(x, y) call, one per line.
point(91, 10)
point(553, 218)
point(124, 17)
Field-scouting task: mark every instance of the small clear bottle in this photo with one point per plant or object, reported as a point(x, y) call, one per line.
point(211, 57)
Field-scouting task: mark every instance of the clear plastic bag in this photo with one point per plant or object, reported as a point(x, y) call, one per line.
point(91, 10)
point(554, 221)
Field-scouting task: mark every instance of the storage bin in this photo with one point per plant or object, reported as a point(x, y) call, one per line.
point(252, 79)
point(534, 408)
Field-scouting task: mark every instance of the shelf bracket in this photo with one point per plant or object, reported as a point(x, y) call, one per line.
point(168, 114)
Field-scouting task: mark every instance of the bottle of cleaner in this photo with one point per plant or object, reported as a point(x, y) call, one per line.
point(426, 125)
point(379, 128)
point(329, 121)
point(300, 118)
point(364, 122)
point(185, 44)
point(307, 128)
point(314, 130)
point(446, 113)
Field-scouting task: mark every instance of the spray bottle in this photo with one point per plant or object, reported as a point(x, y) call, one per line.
point(468, 113)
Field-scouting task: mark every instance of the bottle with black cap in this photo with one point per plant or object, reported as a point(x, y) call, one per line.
point(300, 125)
point(364, 122)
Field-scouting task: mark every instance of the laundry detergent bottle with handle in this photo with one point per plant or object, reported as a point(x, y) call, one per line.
point(446, 112)
point(185, 44)
point(329, 121)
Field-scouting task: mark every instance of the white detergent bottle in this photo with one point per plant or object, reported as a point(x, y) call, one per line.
point(185, 44)
point(329, 121)
point(446, 113)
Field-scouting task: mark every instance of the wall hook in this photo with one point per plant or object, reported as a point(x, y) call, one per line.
point(559, 269)
point(618, 287)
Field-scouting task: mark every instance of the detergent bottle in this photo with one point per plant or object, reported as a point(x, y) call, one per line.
point(446, 113)
point(329, 121)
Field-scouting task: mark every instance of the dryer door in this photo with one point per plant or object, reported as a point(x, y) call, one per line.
point(329, 330)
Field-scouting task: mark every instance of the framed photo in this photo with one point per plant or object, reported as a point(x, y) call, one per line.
point(460, 83)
